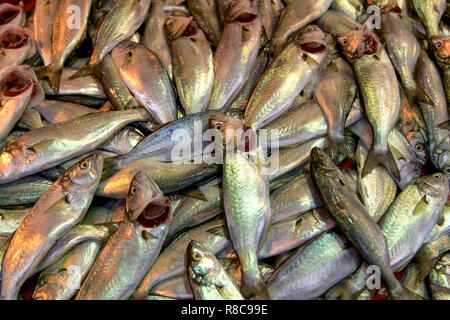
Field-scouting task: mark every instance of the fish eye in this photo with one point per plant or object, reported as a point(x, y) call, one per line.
point(447, 170)
point(309, 28)
point(197, 256)
point(419, 147)
point(437, 176)
point(218, 126)
point(343, 41)
point(84, 165)
point(133, 190)
point(438, 44)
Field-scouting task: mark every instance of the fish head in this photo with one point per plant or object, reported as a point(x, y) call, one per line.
point(440, 47)
point(233, 131)
point(11, 161)
point(14, 37)
point(320, 161)
point(418, 144)
point(352, 44)
point(313, 42)
point(11, 15)
point(200, 261)
point(179, 26)
point(127, 139)
point(146, 204)
point(434, 185)
point(84, 174)
point(15, 82)
point(242, 11)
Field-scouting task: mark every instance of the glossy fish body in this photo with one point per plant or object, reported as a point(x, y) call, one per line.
point(270, 12)
point(430, 12)
point(60, 208)
point(208, 278)
point(132, 249)
point(314, 268)
point(236, 52)
point(11, 220)
point(146, 78)
point(24, 191)
point(294, 17)
point(44, 14)
point(51, 145)
point(440, 279)
point(192, 61)
point(285, 77)
point(205, 13)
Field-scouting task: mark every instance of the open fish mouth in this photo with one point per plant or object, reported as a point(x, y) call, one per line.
point(14, 84)
point(14, 39)
point(156, 213)
point(8, 14)
point(246, 17)
point(313, 47)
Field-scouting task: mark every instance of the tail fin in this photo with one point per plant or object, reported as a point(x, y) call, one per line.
point(254, 288)
point(386, 160)
point(52, 74)
point(345, 147)
point(86, 70)
point(416, 93)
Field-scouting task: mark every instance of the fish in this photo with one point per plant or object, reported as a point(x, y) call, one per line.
point(78, 234)
point(439, 279)
point(314, 268)
point(380, 92)
point(354, 220)
point(137, 241)
point(142, 72)
point(114, 87)
point(403, 49)
point(428, 76)
point(208, 279)
point(69, 199)
point(11, 15)
point(294, 198)
point(154, 37)
point(192, 63)
point(65, 38)
point(16, 91)
point(270, 11)
point(335, 93)
point(335, 23)
point(27, 190)
point(124, 141)
point(170, 177)
point(44, 17)
point(206, 15)
point(286, 76)
point(442, 226)
point(305, 122)
point(430, 12)
point(61, 280)
point(40, 149)
point(294, 17)
point(247, 207)
point(119, 24)
point(352, 8)
point(10, 220)
point(429, 254)
point(16, 46)
point(412, 283)
point(58, 111)
point(440, 48)
point(192, 212)
point(171, 262)
point(236, 52)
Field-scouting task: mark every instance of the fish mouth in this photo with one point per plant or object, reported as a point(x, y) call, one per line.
point(313, 47)
point(15, 83)
point(14, 39)
point(8, 14)
point(246, 17)
point(155, 213)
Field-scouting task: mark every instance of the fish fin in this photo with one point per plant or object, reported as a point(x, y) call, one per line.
point(345, 148)
point(86, 70)
point(396, 153)
point(41, 146)
point(196, 194)
point(441, 218)
point(422, 207)
point(386, 160)
point(420, 95)
point(255, 289)
point(51, 74)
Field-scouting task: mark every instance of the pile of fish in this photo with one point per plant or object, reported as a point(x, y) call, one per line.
point(353, 96)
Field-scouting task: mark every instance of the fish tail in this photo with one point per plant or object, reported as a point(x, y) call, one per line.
point(344, 147)
point(52, 74)
point(404, 294)
point(384, 159)
point(424, 265)
point(254, 288)
point(87, 70)
point(416, 93)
